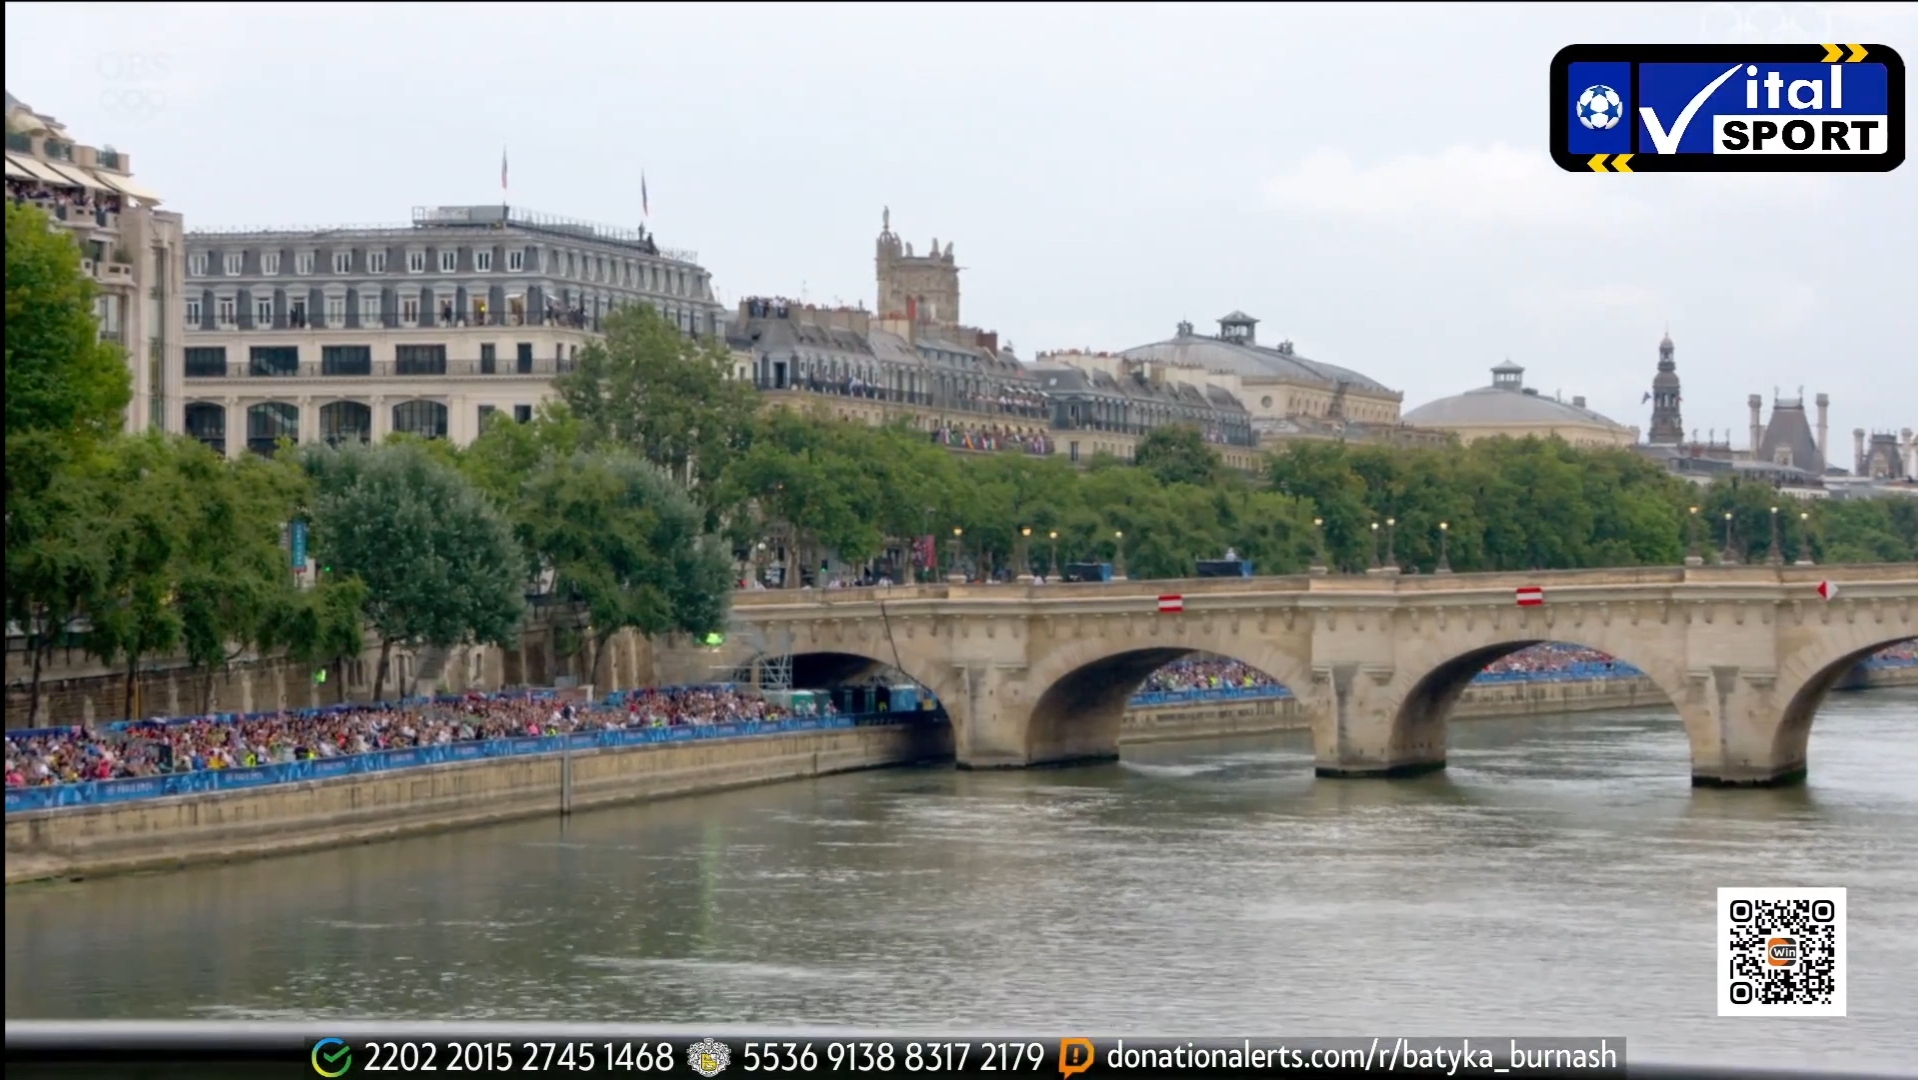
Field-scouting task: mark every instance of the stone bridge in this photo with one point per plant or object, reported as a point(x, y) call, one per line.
point(1037, 674)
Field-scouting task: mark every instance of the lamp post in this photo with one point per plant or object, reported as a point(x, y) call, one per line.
point(1022, 564)
point(932, 549)
point(1804, 539)
point(1391, 548)
point(1445, 533)
point(1118, 555)
point(1730, 556)
point(1775, 557)
point(1375, 547)
point(958, 572)
point(1052, 569)
point(1692, 557)
point(1318, 567)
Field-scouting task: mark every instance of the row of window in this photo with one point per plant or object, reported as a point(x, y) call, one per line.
point(598, 268)
point(411, 309)
point(268, 422)
point(210, 361)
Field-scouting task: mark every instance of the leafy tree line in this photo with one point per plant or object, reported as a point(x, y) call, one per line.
point(628, 499)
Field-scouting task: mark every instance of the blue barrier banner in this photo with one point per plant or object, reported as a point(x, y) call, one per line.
point(97, 792)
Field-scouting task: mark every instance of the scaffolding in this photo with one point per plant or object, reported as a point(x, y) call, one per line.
point(771, 666)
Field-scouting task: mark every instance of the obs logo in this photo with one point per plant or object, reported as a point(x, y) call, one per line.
point(1781, 952)
point(332, 1057)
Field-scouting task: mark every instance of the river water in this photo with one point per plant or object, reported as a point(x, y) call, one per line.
point(1558, 878)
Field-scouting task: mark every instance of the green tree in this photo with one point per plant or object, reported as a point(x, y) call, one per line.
point(59, 499)
point(323, 626)
point(60, 375)
point(131, 612)
point(648, 385)
point(438, 562)
point(1178, 454)
point(626, 548)
point(234, 578)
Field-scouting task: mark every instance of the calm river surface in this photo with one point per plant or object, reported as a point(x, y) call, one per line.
point(1559, 878)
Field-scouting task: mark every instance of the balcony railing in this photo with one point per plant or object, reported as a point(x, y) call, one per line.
point(546, 367)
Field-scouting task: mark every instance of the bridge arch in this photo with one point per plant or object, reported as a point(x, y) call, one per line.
point(1420, 719)
point(826, 667)
point(1807, 680)
point(1084, 688)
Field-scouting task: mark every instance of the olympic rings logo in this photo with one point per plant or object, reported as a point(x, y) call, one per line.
point(1748, 24)
point(129, 100)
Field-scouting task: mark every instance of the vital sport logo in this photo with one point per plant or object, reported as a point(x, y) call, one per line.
point(1728, 108)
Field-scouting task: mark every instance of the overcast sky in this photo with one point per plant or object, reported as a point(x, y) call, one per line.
point(1371, 182)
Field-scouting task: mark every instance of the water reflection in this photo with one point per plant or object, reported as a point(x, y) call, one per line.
point(1558, 877)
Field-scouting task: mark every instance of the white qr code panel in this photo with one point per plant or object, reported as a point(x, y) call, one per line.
point(1781, 952)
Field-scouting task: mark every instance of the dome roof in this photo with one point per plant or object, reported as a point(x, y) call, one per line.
point(1507, 402)
point(1236, 350)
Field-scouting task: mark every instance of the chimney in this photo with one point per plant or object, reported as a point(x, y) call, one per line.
point(1758, 429)
point(1824, 431)
point(1578, 401)
point(1858, 451)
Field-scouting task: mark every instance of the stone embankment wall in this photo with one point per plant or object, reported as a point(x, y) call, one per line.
point(158, 833)
point(1211, 719)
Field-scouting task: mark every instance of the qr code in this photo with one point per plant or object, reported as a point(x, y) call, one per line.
point(1782, 952)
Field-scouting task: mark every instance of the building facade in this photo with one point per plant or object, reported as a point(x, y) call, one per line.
point(351, 333)
point(913, 359)
point(132, 250)
point(1510, 409)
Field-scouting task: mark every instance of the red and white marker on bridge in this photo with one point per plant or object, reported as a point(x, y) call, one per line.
point(1530, 595)
point(1826, 590)
point(1171, 604)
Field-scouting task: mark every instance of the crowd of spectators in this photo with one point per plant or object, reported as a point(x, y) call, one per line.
point(1206, 674)
point(992, 439)
point(75, 200)
point(150, 748)
point(1552, 657)
point(1217, 673)
point(1900, 655)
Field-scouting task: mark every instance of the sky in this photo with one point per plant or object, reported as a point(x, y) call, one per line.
point(1372, 182)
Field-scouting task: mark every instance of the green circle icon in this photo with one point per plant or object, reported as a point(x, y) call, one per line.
point(332, 1057)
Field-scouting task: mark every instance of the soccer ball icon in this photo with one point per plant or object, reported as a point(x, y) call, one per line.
point(1599, 108)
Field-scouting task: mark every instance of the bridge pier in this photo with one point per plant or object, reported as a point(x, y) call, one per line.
point(1741, 732)
point(1355, 732)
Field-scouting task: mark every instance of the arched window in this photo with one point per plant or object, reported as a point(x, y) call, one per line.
point(423, 418)
point(269, 422)
point(346, 421)
point(206, 422)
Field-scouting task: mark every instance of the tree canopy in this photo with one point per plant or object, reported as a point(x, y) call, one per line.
point(437, 560)
point(61, 376)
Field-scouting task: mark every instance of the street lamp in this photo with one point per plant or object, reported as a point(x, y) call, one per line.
point(1775, 557)
point(932, 549)
point(1053, 569)
point(1804, 538)
point(1118, 555)
point(1692, 557)
point(1020, 561)
point(1375, 545)
point(1318, 546)
point(1730, 555)
point(1391, 530)
point(1445, 533)
point(957, 570)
